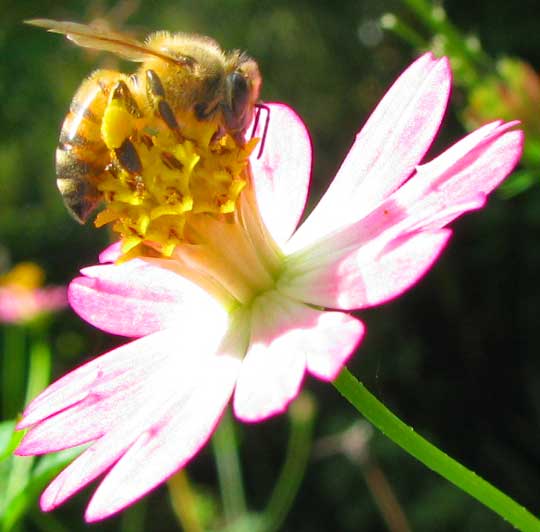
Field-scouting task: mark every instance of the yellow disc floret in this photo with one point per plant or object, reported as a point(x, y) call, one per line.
point(175, 176)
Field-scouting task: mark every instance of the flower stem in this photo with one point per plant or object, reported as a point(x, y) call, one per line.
point(392, 23)
point(39, 367)
point(456, 44)
point(184, 502)
point(225, 449)
point(302, 414)
point(13, 370)
point(404, 436)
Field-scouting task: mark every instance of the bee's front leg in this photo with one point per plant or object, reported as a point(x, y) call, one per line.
point(156, 97)
point(121, 94)
point(116, 134)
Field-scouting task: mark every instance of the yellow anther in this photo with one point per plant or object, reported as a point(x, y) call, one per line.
point(201, 175)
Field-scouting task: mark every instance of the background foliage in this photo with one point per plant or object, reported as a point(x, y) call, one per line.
point(457, 357)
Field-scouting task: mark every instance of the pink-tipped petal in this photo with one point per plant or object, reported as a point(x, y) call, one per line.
point(104, 453)
point(332, 342)
point(111, 253)
point(386, 151)
point(159, 390)
point(169, 443)
point(93, 417)
point(123, 368)
point(471, 168)
point(359, 279)
point(375, 259)
point(281, 174)
point(138, 298)
point(120, 368)
point(107, 450)
point(286, 337)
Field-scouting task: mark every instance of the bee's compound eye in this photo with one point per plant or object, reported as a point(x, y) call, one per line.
point(238, 88)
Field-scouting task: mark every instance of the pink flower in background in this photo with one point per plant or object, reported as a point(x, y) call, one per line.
point(23, 299)
point(251, 329)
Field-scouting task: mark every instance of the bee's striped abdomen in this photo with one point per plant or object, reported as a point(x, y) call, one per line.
point(81, 156)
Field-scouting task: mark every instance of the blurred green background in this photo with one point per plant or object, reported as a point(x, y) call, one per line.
point(456, 357)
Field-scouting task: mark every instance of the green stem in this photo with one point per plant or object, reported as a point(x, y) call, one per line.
point(390, 22)
point(13, 370)
point(184, 502)
point(225, 449)
point(404, 436)
point(39, 367)
point(434, 17)
point(302, 414)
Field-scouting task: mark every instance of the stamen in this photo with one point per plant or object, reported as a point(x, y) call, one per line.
point(158, 182)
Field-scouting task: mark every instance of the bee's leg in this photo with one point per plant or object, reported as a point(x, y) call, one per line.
point(156, 96)
point(126, 154)
point(121, 94)
point(129, 158)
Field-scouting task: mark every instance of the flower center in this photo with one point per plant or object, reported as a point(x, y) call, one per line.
point(159, 180)
point(186, 199)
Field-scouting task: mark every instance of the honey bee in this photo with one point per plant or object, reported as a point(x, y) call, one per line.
point(180, 73)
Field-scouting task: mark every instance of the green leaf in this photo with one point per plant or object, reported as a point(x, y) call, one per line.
point(18, 502)
point(9, 439)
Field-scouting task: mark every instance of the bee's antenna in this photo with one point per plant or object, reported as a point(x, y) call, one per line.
point(260, 107)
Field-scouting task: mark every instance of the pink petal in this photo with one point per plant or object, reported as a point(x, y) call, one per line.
point(107, 450)
point(138, 298)
point(471, 168)
point(281, 175)
point(331, 343)
point(112, 397)
point(111, 253)
point(286, 337)
point(122, 411)
point(386, 151)
point(359, 279)
point(169, 443)
point(376, 258)
point(120, 368)
point(455, 182)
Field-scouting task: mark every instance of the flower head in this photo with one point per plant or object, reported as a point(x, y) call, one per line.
point(243, 305)
point(22, 296)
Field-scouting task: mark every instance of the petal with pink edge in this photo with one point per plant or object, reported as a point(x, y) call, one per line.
point(454, 183)
point(286, 338)
point(176, 435)
point(386, 151)
point(161, 390)
point(107, 450)
point(119, 369)
point(281, 174)
point(111, 253)
point(473, 166)
point(138, 298)
point(107, 403)
point(360, 279)
point(332, 342)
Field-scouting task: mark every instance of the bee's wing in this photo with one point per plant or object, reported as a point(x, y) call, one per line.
point(100, 37)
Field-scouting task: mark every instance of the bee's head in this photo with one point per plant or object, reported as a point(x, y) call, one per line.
point(242, 88)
